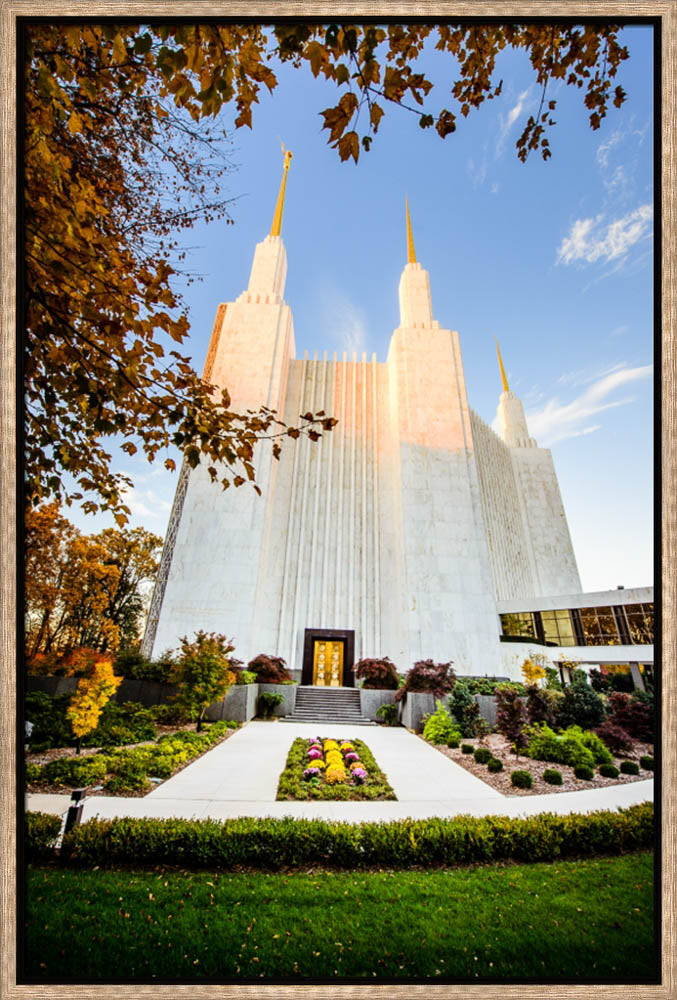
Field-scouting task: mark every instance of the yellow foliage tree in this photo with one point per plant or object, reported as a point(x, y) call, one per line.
point(93, 692)
point(533, 668)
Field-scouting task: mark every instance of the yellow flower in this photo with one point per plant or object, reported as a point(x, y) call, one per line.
point(330, 745)
point(356, 763)
point(335, 775)
point(317, 763)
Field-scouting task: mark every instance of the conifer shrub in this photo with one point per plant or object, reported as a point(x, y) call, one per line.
point(439, 727)
point(270, 669)
point(608, 770)
point(552, 777)
point(387, 714)
point(494, 765)
point(464, 708)
point(467, 748)
point(629, 767)
point(427, 676)
point(580, 705)
point(522, 779)
point(482, 755)
point(584, 773)
point(647, 762)
point(377, 673)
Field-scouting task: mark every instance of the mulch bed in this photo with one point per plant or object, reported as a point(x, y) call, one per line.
point(40, 788)
point(500, 748)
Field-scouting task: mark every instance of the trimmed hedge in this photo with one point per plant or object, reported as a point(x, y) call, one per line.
point(483, 755)
point(522, 779)
point(494, 765)
point(467, 748)
point(41, 830)
point(552, 777)
point(584, 773)
point(608, 770)
point(273, 844)
point(629, 767)
point(647, 763)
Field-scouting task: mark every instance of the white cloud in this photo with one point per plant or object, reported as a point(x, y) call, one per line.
point(591, 240)
point(507, 122)
point(556, 421)
point(344, 323)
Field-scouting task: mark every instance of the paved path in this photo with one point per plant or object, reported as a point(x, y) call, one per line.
point(239, 778)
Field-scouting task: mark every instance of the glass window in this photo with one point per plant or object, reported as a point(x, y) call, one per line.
point(519, 623)
point(558, 627)
point(640, 623)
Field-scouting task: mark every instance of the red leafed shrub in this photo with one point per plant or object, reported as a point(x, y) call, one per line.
point(377, 673)
point(615, 738)
point(633, 715)
point(425, 675)
point(269, 669)
point(511, 715)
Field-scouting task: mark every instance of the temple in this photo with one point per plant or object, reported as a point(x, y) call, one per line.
point(412, 530)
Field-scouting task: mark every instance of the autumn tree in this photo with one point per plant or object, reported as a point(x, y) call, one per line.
point(534, 668)
point(203, 672)
point(122, 151)
point(94, 691)
point(83, 590)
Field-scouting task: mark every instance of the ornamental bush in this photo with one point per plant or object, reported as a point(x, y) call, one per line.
point(387, 714)
point(270, 669)
point(51, 727)
point(522, 779)
point(494, 765)
point(377, 673)
point(629, 767)
point(608, 770)
point(511, 715)
point(464, 708)
point(646, 762)
point(290, 843)
point(41, 831)
point(267, 703)
point(580, 706)
point(426, 675)
point(203, 673)
point(584, 773)
point(633, 713)
point(552, 776)
point(592, 742)
point(467, 748)
point(614, 737)
point(439, 728)
point(542, 705)
point(482, 755)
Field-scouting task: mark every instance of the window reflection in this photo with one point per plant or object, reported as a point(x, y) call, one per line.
point(599, 626)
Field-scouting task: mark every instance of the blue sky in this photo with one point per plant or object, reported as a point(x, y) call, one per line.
point(553, 258)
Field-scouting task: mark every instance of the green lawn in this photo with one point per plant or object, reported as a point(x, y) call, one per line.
point(586, 920)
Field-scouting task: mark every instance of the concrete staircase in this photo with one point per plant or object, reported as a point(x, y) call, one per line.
point(325, 704)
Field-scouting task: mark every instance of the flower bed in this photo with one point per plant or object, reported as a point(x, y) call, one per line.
point(324, 768)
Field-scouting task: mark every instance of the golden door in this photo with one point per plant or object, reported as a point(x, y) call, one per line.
point(328, 663)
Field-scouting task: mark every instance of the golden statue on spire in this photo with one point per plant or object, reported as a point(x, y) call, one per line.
point(276, 228)
point(411, 253)
point(500, 363)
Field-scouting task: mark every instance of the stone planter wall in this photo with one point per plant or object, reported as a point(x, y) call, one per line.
point(416, 705)
point(288, 692)
point(487, 703)
point(239, 705)
point(371, 700)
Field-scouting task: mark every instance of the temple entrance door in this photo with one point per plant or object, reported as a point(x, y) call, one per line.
point(328, 662)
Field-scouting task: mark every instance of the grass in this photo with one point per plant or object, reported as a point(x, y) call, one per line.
point(293, 786)
point(575, 920)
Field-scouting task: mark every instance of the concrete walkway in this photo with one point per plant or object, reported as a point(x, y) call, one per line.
point(239, 778)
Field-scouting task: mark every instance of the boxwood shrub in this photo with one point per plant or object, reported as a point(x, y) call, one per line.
point(646, 762)
point(41, 830)
point(608, 770)
point(494, 765)
point(552, 777)
point(584, 773)
point(467, 748)
point(522, 779)
point(483, 755)
point(289, 843)
point(629, 767)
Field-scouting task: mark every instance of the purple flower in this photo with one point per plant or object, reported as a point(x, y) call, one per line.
point(359, 775)
point(314, 753)
point(311, 772)
point(351, 755)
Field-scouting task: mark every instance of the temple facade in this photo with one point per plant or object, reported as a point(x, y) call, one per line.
point(403, 532)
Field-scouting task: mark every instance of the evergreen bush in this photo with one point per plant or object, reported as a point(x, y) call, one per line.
point(494, 765)
point(439, 727)
point(552, 776)
point(647, 762)
point(482, 755)
point(608, 770)
point(464, 708)
point(41, 831)
point(467, 748)
point(580, 706)
point(387, 714)
point(522, 779)
point(629, 767)
point(584, 773)
point(267, 703)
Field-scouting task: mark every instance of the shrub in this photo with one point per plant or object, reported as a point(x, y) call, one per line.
point(377, 673)
point(267, 703)
point(467, 748)
point(580, 706)
point(608, 770)
point(633, 714)
point(592, 742)
point(387, 714)
point(51, 727)
point(647, 763)
point(584, 773)
point(171, 714)
point(42, 829)
point(33, 772)
point(203, 672)
point(76, 772)
point(246, 676)
point(482, 755)
point(130, 663)
point(269, 669)
point(552, 777)
point(119, 724)
point(453, 742)
point(542, 705)
point(629, 767)
point(615, 738)
point(533, 668)
point(425, 675)
point(464, 708)
point(494, 765)
point(522, 779)
point(295, 843)
point(511, 715)
point(439, 728)
point(552, 680)
point(599, 681)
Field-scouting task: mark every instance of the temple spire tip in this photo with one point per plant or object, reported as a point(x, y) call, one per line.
point(276, 228)
point(411, 252)
point(500, 364)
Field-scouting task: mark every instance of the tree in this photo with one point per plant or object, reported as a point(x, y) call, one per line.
point(83, 590)
point(94, 690)
point(122, 151)
point(203, 672)
point(580, 705)
point(511, 715)
point(534, 668)
point(378, 672)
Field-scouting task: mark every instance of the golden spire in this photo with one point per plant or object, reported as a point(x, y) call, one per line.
point(411, 253)
point(276, 228)
point(500, 362)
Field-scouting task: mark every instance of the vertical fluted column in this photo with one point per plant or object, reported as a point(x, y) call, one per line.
point(376, 511)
